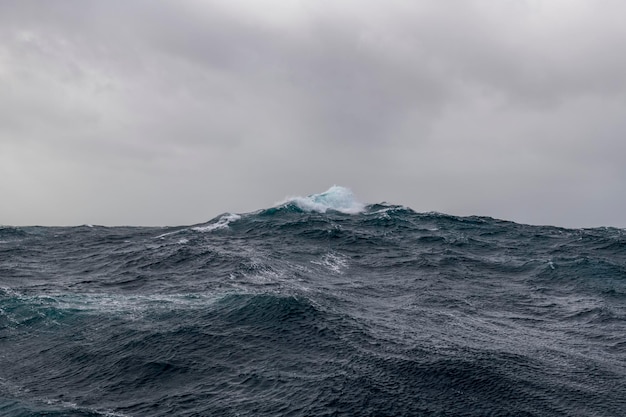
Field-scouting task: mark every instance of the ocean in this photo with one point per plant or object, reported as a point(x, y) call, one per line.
point(319, 306)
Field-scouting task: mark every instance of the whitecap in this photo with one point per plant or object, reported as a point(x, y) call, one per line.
point(335, 198)
point(222, 223)
point(169, 233)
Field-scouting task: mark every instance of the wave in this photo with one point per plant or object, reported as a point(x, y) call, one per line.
point(221, 222)
point(336, 198)
point(10, 232)
point(301, 309)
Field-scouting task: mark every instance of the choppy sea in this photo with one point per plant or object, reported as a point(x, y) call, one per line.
point(319, 306)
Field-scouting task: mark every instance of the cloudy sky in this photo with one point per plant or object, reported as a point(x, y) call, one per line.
point(150, 112)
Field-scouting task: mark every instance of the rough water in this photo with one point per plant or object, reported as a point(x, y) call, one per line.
point(319, 306)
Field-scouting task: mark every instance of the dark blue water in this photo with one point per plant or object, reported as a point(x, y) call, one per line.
point(317, 307)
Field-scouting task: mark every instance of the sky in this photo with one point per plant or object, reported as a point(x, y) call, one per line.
point(145, 112)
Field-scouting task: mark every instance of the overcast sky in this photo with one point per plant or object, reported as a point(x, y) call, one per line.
point(172, 112)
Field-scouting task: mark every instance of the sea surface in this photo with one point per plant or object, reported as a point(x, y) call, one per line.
point(319, 306)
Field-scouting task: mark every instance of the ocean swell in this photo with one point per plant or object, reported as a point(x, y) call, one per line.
point(318, 306)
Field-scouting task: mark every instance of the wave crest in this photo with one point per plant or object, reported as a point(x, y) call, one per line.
point(336, 198)
point(222, 222)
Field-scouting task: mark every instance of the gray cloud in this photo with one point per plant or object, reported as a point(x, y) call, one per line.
point(172, 112)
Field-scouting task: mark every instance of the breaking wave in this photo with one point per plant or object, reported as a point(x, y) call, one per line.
point(336, 198)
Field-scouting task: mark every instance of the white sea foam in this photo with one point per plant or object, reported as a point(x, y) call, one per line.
point(384, 212)
point(169, 233)
point(333, 261)
point(335, 198)
point(222, 223)
point(132, 307)
point(73, 406)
